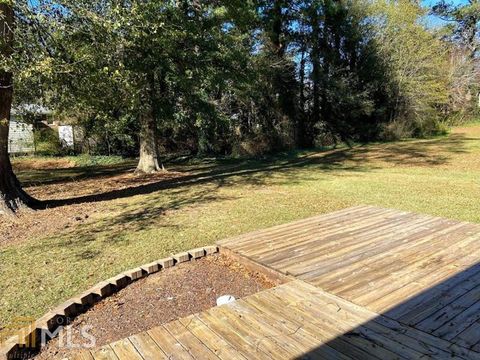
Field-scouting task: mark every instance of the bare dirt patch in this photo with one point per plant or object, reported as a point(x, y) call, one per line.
point(38, 224)
point(83, 199)
point(42, 164)
point(99, 185)
point(160, 298)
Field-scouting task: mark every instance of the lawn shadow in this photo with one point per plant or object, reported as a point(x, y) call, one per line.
point(256, 172)
point(441, 322)
point(38, 177)
point(93, 239)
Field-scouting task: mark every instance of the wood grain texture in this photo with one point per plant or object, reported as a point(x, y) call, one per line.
point(420, 270)
point(291, 321)
point(359, 283)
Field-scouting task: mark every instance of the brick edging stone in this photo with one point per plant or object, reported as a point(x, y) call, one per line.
point(15, 346)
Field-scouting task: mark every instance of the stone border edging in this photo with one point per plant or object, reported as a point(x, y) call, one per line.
point(28, 338)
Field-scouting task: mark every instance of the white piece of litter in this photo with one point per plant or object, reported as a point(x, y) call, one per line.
point(225, 299)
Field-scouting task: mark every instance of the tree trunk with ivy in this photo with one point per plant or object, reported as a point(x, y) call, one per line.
point(12, 197)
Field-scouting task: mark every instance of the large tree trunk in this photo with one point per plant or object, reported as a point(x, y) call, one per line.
point(309, 141)
point(148, 162)
point(12, 197)
point(305, 137)
point(284, 80)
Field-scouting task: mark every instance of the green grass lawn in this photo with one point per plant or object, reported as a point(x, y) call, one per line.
point(221, 198)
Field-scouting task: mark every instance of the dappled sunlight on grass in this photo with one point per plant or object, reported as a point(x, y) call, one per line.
point(209, 200)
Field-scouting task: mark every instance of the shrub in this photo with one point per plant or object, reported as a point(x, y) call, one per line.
point(395, 130)
point(47, 142)
point(89, 160)
point(252, 147)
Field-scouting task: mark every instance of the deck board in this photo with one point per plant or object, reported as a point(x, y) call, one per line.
point(405, 265)
point(104, 353)
point(369, 283)
point(291, 321)
point(125, 350)
point(147, 347)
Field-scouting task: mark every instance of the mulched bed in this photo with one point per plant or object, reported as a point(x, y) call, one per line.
point(177, 292)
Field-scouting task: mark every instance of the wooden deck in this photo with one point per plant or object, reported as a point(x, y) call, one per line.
point(293, 320)
point(367, 283)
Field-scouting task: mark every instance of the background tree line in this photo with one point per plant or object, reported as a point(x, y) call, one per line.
point(238, 77)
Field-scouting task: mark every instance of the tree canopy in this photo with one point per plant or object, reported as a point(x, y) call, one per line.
point(241, 78)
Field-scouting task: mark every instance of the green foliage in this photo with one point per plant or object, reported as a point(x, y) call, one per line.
point(436, 176)
point(244, 77)
point(47, 142)
point(416, 65)
point(89, 160)
point(464, 26)
point(173, 59)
